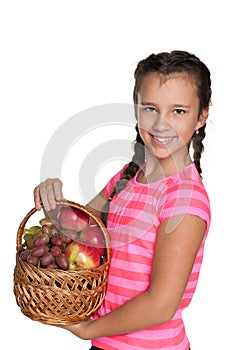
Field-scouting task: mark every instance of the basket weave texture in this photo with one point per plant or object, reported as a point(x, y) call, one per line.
point(54, 296)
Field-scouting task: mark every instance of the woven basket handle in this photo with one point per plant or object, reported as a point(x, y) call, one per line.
point(97, 220)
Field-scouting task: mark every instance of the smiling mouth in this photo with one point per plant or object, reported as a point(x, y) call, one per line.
point(163, 141)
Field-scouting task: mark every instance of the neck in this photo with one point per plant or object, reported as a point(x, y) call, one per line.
point(157, 169)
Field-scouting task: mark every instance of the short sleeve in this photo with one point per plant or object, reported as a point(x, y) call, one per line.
point(185, 197)
point(112, 182)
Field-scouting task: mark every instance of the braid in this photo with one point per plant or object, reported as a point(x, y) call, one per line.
point(198, 147)
point(128, 173)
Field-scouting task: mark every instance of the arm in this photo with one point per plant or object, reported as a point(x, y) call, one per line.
point(97, 203)
point(174, 257)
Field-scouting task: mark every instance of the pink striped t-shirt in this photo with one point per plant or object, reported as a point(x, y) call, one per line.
point(133, 221)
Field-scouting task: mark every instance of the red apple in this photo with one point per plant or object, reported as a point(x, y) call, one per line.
point(93, 236)
point(73, 219)
point(80, 255)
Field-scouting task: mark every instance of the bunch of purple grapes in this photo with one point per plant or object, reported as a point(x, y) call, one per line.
point(47, 248)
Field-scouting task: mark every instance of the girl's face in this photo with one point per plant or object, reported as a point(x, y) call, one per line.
point(168, 114)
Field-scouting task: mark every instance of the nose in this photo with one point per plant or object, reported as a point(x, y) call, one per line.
point(161, 124)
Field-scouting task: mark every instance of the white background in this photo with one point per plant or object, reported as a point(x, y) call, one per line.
point(61, 57)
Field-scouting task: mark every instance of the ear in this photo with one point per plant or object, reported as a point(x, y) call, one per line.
point(202, 119)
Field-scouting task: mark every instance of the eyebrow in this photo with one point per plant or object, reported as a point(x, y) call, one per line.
point(154, 105)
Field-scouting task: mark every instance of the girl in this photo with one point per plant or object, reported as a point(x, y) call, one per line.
point(156, 210)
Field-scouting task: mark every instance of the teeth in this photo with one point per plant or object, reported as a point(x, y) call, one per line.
point(163, 139)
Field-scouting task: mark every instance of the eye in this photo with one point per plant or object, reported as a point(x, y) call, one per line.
point(148, 109)
point(179, 111)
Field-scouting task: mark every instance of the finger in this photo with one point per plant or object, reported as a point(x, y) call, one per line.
point(37, 199)
point(49, 196)
point(57, 186)
point(43, 195)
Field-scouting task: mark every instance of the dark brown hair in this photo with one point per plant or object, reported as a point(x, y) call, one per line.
point(166, 64)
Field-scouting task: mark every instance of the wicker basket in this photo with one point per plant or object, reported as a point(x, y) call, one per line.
point(54, 296)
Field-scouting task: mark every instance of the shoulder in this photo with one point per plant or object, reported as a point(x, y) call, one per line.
point(185, 193)
point(113, 180)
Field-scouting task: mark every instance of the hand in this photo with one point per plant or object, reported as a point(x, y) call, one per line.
point(79, 329)
point(47, 193)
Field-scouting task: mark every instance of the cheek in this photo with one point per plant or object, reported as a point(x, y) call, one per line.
point(185, 132)
point(142, 133)
point(145, 122)
point(145, 136)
